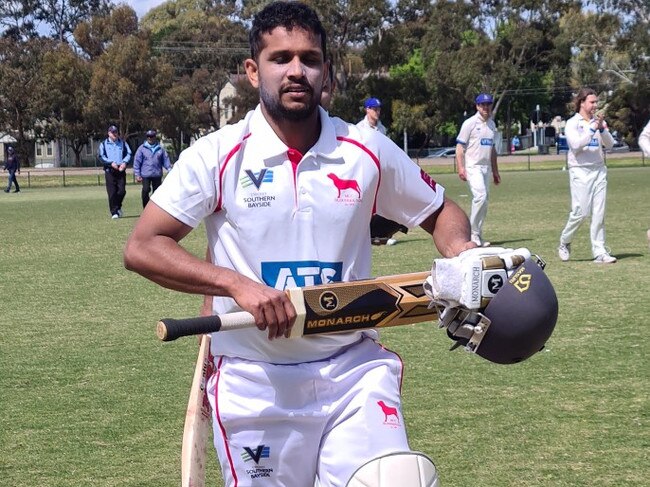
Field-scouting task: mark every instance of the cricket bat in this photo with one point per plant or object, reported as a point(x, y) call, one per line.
point(329, 308)
point(197, 421)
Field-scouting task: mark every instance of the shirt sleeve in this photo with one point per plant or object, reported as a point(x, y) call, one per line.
point(465, 131)
point(406, 193)
point(189, 193)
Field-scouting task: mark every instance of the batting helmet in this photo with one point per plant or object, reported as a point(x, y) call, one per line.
point(522, 316)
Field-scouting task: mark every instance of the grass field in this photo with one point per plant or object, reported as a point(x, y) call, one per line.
point(90, 397)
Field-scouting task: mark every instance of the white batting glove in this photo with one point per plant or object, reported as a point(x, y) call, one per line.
point(472, 278)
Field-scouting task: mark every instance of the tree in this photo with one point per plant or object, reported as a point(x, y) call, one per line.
point(19, 80)
point(63, 92)
point(126, 83)
point(63, 16)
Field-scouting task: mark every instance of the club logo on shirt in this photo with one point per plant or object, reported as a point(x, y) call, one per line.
point(257, 471)
point(346, 189)
point(256, 178)
point(286, 275)
point(486, 141)
point(256, 198)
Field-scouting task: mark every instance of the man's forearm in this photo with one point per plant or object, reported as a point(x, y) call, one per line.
point(450, 229)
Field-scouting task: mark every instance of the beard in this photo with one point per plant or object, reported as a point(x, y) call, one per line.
point(277, 111)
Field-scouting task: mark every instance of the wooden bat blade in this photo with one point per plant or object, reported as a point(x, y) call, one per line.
point(197, 421)
point(330, 308)
point(369, 303)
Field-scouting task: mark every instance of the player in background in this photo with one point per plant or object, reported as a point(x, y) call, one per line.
point(381, 229)
point(644, 144)
point(286, 196)
point(371, 121)
point(476, 162)
point(586, 134)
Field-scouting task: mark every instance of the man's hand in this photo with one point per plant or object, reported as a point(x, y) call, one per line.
point(122, 167)
point(138, 179)
point(272, 309)
point(114, 165)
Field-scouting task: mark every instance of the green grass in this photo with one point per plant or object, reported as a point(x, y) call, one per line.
point(90, 397)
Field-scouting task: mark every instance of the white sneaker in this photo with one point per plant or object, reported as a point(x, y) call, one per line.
point(119, 213)
point(391, 241)
point(604, 259)
point(564, 251)
point(115, 216)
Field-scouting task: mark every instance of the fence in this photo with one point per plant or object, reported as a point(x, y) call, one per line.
point(520, 161)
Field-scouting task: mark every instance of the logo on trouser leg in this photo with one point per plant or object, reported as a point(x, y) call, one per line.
point(256, 455)
point(391, 417)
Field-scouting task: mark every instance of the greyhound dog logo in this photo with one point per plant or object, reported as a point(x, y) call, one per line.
point(390, 414)
point(343, 184)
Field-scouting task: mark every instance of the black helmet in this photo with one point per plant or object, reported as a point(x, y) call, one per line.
point(520, 318)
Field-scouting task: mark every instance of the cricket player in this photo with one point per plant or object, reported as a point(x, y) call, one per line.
point(586, 134)
point(476, 162)
point(644, 144)
point(371, 121)
point(286, 196)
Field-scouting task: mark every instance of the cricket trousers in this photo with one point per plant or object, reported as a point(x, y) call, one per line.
point(149, 186)
point(478, 179)
point(588, 196)
point(301, 424)
point(115, 188)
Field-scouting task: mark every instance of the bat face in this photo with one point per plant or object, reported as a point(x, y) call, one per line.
point(370, 303)
point(197, 421)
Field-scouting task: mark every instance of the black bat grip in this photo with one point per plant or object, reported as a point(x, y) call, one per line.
point(169, 329)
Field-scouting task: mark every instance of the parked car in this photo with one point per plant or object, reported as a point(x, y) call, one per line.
point(619, 147)
point(442, 152)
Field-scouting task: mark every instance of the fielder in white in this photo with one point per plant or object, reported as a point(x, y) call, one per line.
point(586, 134)
point(476, 162)
point(644, 144)
point(371, 121)
point(286, 196)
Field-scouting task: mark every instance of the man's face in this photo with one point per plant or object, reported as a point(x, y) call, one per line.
point(373, 115)
point(588, 106)
point(289, 73)
point(112, 135)
point(485, 109)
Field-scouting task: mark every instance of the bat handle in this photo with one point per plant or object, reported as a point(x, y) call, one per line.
point(169, 329)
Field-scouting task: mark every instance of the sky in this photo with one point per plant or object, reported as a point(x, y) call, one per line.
point(141, 7)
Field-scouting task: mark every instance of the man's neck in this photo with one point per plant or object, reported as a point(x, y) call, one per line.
point(301, 135)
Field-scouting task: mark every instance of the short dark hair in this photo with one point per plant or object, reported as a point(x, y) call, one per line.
point(289, 15)
point(582, 96)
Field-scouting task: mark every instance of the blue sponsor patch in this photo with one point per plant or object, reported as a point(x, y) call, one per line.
point(485, 141)
point(594, 142)
point(285, 275)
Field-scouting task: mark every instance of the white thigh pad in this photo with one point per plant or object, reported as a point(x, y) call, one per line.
point(403, 469)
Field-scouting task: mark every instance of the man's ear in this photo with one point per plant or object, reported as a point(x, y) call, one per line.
point(252, 72)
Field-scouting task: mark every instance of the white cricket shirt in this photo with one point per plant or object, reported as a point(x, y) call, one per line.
point(477, 137)
point(585, 143)
point(289, 220)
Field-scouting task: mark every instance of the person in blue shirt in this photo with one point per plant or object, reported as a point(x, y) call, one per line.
point(150, 158)
point(115, 154)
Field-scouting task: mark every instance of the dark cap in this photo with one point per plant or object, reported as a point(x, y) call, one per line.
point(372, 103)
point(112, 129)
point(151, 133)
point(484, 98)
